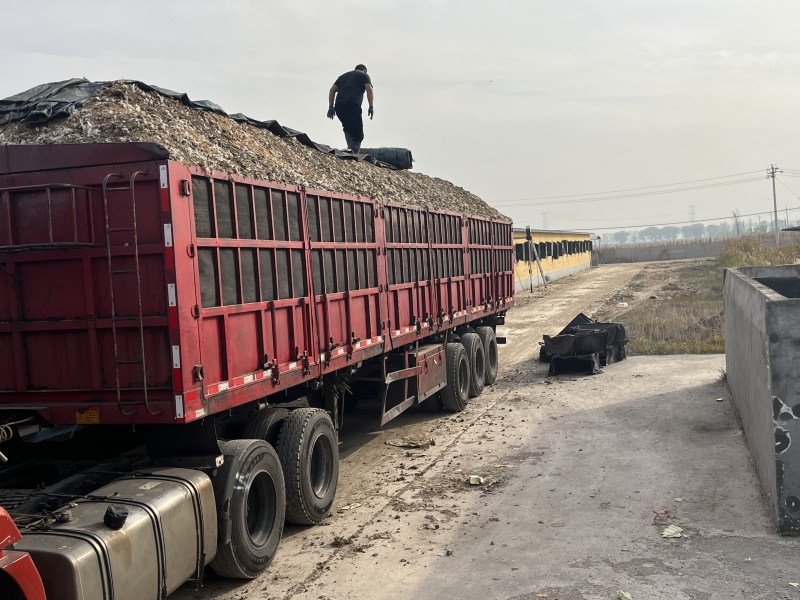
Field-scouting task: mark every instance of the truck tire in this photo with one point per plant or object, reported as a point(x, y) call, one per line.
point(489, 340)
point(266, 425)
point(309, 452)
point(455, 395)
point(477, 363)
point(251, 506)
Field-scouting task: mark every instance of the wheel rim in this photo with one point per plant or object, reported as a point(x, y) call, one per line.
point(261, 507)
point(463, 377)
point(321, 471)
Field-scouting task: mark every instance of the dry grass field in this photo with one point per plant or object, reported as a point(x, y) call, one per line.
point(676, 307)
point(672, 308)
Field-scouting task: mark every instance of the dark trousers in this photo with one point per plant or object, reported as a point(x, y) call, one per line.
point(349, 114)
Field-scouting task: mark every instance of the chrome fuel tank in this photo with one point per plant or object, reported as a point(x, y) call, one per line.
point(169, 535)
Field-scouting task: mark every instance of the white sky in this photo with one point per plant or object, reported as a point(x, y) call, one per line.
point(508, 99)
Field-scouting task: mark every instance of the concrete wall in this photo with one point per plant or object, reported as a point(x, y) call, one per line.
point(659, 252)
point(762, 353)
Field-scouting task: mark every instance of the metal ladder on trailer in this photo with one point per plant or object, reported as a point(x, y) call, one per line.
point(115, 272)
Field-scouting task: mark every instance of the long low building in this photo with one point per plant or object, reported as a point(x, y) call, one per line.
point(560, 253)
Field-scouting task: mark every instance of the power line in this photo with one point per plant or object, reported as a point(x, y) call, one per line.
point(599, 199)
point(616, 219)
point(647, 187)
point(675, 222)
point(788, 188)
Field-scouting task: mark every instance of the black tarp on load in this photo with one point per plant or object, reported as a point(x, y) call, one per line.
point(397, 157)
point(61, 99)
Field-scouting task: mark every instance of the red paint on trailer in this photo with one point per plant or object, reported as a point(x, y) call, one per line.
point(247, 287)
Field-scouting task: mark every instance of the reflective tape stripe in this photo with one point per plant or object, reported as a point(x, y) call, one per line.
point(178, 406)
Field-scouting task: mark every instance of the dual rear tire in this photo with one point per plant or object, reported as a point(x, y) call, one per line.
point(472, 364)
point(491, 357)
point(477, 363)
point(455, 394)
point(251, 505)
point(259, 487)
point(308, 449)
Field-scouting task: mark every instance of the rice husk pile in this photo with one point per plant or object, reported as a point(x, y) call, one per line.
point(123, 112)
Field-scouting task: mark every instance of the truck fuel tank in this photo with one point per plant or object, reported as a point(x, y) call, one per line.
point(141, 536)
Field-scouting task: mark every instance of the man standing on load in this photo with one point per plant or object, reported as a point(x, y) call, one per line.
point(348, 92)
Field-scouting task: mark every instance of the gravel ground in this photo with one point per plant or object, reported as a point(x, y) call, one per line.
point(124, 113)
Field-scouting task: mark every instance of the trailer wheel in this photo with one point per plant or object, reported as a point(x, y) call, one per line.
point(477, 363)
point(266, 425)
point(251, 505)
point(489, 340)
point(309, 452)
point(455, 395)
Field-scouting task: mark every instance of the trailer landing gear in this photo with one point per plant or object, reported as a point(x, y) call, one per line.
point(309, 453)
point(251, 505)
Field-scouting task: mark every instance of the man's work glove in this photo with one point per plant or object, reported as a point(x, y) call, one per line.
point(371, 112)
point(331, 112)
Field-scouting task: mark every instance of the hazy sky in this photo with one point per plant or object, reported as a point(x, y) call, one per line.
point(512, 100)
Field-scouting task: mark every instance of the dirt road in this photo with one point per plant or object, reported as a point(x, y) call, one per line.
point(574, 470)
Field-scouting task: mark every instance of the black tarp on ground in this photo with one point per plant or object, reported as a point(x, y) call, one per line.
point(60, 99)
point(583, 337)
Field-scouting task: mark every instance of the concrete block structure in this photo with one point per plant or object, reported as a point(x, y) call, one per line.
point(561, 253)
point(627, 254)
point(762, 355)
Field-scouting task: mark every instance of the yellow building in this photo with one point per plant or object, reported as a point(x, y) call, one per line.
point(560, 253)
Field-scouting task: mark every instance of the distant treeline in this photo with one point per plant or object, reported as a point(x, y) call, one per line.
point(695, 231)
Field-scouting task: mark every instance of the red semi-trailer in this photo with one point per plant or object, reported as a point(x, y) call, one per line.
point(182, 342)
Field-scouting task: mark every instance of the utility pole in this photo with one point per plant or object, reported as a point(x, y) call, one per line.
point(772, 170)
point(691, 212)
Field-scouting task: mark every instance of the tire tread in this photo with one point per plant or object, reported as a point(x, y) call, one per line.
point(450, 396)
point(290, 442)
